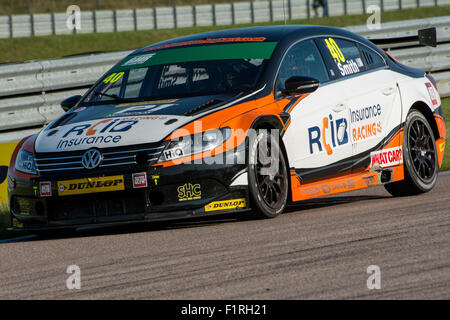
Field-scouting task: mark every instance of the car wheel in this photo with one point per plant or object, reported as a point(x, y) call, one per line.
point(267, 175)
point(419, 158)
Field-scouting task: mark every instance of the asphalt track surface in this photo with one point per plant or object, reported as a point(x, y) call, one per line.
point(317, 250)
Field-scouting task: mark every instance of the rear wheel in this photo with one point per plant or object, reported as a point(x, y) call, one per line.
point(419, 158)
point(267, 175)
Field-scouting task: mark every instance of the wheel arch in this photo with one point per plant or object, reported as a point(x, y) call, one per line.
point(423, 108)
point(273, 122)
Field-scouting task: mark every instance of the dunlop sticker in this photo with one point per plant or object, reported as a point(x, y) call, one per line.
point(90, 185)
point(225, 204)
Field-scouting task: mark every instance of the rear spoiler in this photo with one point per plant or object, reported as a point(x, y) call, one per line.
point(425, 37)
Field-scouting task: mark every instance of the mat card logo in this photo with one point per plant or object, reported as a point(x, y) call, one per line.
point(387, 157)
point(318, 136)
point(189, 191)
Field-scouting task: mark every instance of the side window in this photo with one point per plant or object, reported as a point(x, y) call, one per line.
point(134, 84)
point(373, 60)
point(303, 59)
point(344, 56)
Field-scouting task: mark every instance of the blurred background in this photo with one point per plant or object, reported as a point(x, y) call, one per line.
point(43, 6)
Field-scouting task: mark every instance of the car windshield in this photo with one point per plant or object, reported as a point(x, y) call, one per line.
point(184, 72)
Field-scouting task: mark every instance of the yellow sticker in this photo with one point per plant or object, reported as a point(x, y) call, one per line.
point(114, 77)
point(225, 204)
point(90, 185)
point(334, 49)
point(442, 146)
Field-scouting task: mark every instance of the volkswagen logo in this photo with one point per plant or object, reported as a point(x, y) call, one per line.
point(91, 159)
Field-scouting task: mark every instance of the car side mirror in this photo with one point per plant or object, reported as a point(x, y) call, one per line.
point(300, 85)
point(70, 102)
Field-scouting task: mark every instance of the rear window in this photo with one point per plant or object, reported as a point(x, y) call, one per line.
point(345, 56)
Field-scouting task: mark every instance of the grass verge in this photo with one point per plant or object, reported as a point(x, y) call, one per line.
point(46, 47)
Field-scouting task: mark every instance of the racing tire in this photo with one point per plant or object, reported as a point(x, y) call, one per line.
point(420, 159)
point(268, 183)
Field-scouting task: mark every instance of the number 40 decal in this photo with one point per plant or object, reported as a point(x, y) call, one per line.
point(114, 77)
point(335, 50)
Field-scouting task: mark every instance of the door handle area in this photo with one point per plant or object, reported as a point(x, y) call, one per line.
point(388, 91)
point(339, 107)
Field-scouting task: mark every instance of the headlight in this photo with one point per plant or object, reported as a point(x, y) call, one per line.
point(196, 143)
point(25, 162)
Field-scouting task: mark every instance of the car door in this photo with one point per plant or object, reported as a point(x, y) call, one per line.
point(372, 97)
point(317, 140)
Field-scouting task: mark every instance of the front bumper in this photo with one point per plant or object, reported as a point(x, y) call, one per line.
point(181, 191)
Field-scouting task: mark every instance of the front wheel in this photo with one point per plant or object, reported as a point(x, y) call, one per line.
point(419, 158)
point(267, 175)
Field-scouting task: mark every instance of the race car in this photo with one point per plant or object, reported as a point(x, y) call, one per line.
point(240, 121)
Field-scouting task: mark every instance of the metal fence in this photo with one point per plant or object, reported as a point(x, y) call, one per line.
point(31, 92)
point(26, 25)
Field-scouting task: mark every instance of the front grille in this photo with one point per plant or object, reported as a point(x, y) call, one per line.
point(47, 163)
point(97, 205)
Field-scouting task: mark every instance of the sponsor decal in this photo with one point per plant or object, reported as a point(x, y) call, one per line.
point(345, 67)
point(139, 180)
point(173, 153)
point(141, 110)
point(113, 77)
point(90, 185)
point(189, 191)
point(138, 60)
point(370, 127)
point(387, 157)
point(332, 187)
point(350, 67)
point(45, 189)
point(338, 130)
point(102, 132)
point(145, 102)
point(225, 205)
point(366, 113)
point(432, 94)
point(207, 41)
point(366, 131)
